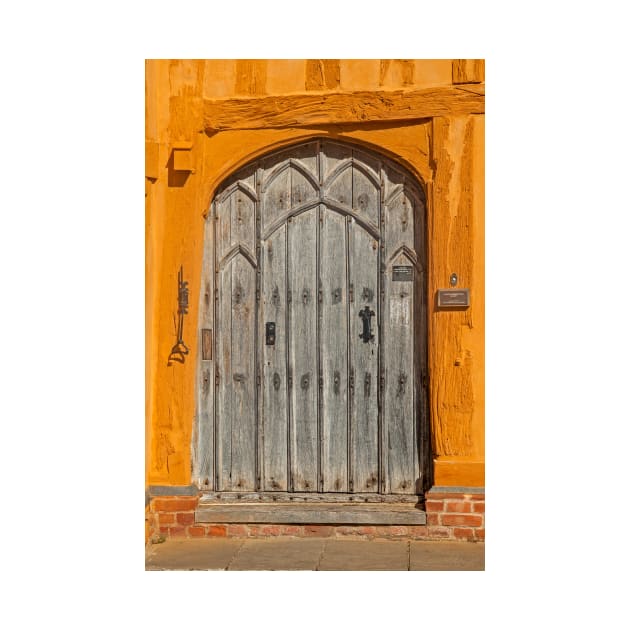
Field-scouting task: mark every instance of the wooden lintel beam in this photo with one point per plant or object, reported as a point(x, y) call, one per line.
point(303, 110)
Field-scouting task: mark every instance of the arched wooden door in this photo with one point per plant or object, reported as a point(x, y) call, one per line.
point(313, 380)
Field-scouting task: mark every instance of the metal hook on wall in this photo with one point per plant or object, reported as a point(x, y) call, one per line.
point(180, 349)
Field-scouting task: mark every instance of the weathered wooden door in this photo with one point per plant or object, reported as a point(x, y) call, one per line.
point(315, 378)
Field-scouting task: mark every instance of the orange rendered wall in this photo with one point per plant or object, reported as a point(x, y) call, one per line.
point(185, 163)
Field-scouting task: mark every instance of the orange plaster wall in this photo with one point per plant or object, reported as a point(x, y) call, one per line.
point(176, 204)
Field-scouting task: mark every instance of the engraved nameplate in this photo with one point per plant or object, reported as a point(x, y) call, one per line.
point(402, 273)
point(453, 297)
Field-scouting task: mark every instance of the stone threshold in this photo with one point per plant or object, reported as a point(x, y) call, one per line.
point(311, 513)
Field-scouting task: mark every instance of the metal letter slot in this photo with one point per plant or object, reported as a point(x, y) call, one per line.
point(270, 333)
point(366, 315)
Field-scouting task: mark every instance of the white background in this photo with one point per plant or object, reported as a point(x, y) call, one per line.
point(72, 358)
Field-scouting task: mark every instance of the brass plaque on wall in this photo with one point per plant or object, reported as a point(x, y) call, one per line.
point(453, 298)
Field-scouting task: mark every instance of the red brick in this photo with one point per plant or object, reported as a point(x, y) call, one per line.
point(271, 530)
point(167, 519)
point(465, 533)
point(237, 530)
point(433, 519)
point(292, 530)
point(457, 506)
point(439, 532)
point(218, 531)
point(478, 497)
point(480, 534)
point(174, 504)
point(479, 506)
point(185, 518)
point(469, 520)
point(418, 531)
point(318, 530)
point(455, 496)
point(196, 531)
point(177, 531)
point(434, 506)
point(164, 529)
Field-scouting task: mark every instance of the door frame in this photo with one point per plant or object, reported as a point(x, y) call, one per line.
point(203, 430)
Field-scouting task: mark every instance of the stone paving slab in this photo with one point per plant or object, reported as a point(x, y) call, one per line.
point(365, 555)
point(446, 556)
point(278, 555)
point(191, 555)
point(313, 554)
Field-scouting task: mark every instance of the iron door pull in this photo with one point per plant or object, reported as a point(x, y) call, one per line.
point(366, 315)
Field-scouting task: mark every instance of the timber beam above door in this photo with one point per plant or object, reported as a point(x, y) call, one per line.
point(303, 110)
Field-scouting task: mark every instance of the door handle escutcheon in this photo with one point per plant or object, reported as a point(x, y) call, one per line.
point(366, 315)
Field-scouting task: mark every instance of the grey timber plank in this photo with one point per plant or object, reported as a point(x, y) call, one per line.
point(301, 497)
point(334, 351)
point(242, 227)
point(302, 188)
point(363, 270)
point(274, 381)
point(340, 188)
point(224, 226)
point(302, 274)
point(276, 193)
point(224, 414)
point(365, 195)
point(400, 448)
point(334, 513)
point(242, 380)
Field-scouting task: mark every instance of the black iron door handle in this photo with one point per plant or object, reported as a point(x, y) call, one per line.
point(366, 315)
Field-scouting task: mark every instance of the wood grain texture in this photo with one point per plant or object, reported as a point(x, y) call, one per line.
point(251, 76)
point(353, 107)
point(334, 351)
point(453, 219)
point(369, 514)
point(302, 283)
point(363, 270)
point(468, 71)
point(322, 74)
point(274, 363)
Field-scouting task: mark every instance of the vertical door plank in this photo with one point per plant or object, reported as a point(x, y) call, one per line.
point(243, 230)
point(331, 156)
point(340, 189)
point(223, 417)
point(242, 380)
point(334, 351)
point(363, 271)
point(365, 195)
point(302, 189)
point(274, 360)
point(302, 274)
point(224, 227)
point(276, 197)
point(399, 224)
point(398, 358)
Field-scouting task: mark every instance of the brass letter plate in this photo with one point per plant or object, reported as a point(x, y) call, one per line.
point(453, 298)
